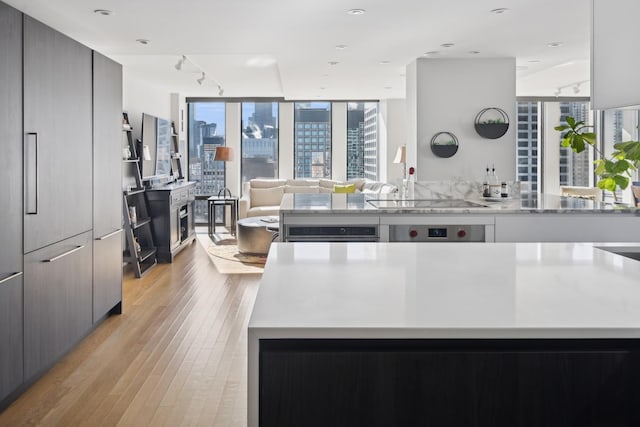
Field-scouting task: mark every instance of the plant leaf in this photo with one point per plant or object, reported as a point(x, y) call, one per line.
point(590, 137)
point(561, 128)
point(620, 166)
point(571, 122)
point(621, 181)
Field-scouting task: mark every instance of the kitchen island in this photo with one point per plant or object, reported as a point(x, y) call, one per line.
point(518, 334)
point(529, 218)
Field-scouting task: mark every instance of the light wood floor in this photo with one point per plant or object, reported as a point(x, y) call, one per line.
point(176, 356)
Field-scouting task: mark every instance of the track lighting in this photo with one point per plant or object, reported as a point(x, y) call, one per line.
point(557, 92)
point(201, 79)
point(220, 90)
point(181, 63)
point(576, 89)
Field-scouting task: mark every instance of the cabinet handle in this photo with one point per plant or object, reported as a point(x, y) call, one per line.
point(113, 233)
point(55, 258)
point(11, 276)
point(31, 173)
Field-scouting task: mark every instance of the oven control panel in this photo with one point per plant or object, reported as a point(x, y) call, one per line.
point(437, 233)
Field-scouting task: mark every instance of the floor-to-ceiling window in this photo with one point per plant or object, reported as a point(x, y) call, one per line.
point(527, 141)
point(259, 140)
point(206, 132)
point(312, 140)
point(618, 126)
point(362, 140)
point(576, 169)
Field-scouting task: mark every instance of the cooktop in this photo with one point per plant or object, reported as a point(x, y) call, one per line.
point(425, 204)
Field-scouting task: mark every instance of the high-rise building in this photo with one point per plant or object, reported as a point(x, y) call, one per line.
point(371, 141)
point(312, 157)
point(527, 141)
point(355, 142)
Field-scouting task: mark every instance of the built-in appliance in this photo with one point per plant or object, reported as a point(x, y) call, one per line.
point(332, 233)
point(425, 204)
point(437, 233)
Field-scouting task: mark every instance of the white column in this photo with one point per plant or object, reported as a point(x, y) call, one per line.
point(285, 140)
point(233, 139)
point(339, 141)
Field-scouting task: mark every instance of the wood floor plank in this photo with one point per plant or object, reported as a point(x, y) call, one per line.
point(176, 356)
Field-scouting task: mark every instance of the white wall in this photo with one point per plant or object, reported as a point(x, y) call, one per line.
point(233, 139)
point(392, 131)
point(614, 57)
point(285, 140)
point(141, 97)
point(449, 94)
point(339, 141)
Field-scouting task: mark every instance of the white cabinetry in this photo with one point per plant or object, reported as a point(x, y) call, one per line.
point(567, 228)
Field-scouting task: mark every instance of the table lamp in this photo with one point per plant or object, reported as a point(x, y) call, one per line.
point(401, 157)
point(224, 154)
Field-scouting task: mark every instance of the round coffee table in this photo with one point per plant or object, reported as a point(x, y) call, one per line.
point(255, 234)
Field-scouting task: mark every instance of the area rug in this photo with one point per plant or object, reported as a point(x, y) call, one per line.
point(226, 258)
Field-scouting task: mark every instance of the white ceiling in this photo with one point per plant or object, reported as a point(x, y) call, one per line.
point(282, 48)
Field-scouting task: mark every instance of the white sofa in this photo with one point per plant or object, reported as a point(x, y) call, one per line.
point(262, 196)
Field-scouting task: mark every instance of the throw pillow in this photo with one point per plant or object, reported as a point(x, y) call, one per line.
point(346, 188)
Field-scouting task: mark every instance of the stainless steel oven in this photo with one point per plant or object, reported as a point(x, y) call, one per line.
point(331, 233)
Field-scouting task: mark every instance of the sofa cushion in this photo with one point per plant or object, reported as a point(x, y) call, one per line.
point(264, 211)
point(300, 189)
point(346, 188)
point(266, 196)
point(329, 183)
point(325, 190)
point(359, 182)
point(267, 183)
point(303, 182)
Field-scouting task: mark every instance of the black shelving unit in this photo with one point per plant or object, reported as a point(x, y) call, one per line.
point(176, 163)
point(141, 251)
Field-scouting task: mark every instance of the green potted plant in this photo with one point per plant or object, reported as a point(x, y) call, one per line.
point(615, 171)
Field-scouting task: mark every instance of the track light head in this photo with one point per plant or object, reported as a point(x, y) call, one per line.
point(220, 90)
point(201, 79)
point(181, 62)
point(576, 89)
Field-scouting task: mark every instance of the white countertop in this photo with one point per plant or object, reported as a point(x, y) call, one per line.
point(447, 290)
point(357, 203)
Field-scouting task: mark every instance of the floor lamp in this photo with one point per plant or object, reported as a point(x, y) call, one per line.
point(224, 154)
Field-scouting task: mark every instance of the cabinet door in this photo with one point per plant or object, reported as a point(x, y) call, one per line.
point(107, 178)
point(57, 300)
point(11, 211)
point(10, 335)
point(107, 274)
point(107, 139)
point(57, 136)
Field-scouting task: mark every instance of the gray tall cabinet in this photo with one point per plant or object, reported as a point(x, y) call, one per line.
point(11, 271)
point(60, 226)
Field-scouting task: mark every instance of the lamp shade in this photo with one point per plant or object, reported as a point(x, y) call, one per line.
point(224, 154)
point(401, 155)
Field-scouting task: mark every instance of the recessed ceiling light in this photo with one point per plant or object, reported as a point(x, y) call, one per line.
point(385, 62)
point(341, 46)
point(388, 87)
point(447, 44)
point(322, 88)
point(498, 10)
point(431, 52)
point(325, 75)
point(104, 12)
point(474, 52)
point(554, 44)
point(533, 61)
point(333, 62)
point(143, 41)
point(356, 11)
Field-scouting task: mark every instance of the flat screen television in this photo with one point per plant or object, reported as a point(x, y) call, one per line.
point(156, 147)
